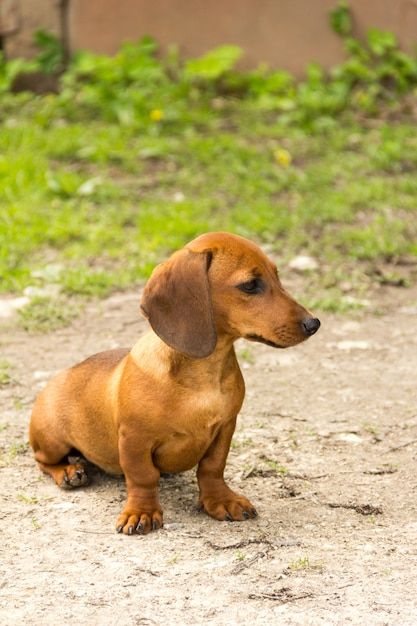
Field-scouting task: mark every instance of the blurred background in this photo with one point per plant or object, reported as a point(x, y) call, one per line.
point(129, 127)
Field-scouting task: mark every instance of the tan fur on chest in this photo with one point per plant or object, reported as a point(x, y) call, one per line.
point(186, 435)
point(197, 402)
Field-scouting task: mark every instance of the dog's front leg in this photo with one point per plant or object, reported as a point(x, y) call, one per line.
point(142, 511)
point(216, 498)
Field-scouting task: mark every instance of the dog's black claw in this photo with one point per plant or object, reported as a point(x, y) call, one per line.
point(200, 508)
point(246, 515)
point(130, 530)
point(254, 512)
point(155, 525)
point(228, 518)
point(139, 528)
point(119, 528)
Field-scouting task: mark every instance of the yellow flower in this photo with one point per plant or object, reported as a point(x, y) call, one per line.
point(156, 115)
point(282, 157)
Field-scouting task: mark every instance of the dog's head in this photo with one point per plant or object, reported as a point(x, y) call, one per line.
point(222, 284)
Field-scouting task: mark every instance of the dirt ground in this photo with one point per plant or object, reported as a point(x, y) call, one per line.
point(326, 449)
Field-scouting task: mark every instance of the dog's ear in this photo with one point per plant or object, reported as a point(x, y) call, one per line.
point(176, 300)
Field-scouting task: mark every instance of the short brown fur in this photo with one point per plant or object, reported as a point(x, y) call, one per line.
point(171, 402)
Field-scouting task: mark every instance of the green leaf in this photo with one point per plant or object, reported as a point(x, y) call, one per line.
point(381, 42)
point(341, 20)
point(214, 64)
point(51, 53)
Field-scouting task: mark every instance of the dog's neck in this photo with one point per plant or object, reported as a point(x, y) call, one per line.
point(153, 355)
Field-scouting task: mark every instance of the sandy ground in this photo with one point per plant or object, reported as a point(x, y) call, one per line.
point(325, 448)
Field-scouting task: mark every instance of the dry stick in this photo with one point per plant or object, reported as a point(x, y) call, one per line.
point(284, 543)
point(380, 472)
point(307, 478)
point(240, 544)
point(248, 562)
point(147, 571)
point(277, 596)
point(362, 509)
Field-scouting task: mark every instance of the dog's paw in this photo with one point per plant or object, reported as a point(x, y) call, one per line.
point(229, 507)
point(75, 475)
point(132, 521)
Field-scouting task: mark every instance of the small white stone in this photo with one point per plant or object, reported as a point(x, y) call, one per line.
point(178, 196)
point(8, 306)
point(349, 438)
point(353, 345)
point(303, 263)
point(63, 506)
point(89, 186)
point(41, 374)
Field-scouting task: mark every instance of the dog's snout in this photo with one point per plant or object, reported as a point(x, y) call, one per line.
point(310, 325)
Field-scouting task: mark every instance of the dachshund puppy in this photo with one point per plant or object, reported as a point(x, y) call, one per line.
point(171, 402)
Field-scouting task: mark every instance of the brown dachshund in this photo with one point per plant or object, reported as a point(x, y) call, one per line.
point(171, 402)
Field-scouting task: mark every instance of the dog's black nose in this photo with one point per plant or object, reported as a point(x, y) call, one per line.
point(310, 325)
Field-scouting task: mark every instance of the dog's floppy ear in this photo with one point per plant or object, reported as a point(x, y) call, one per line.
point(176, 300)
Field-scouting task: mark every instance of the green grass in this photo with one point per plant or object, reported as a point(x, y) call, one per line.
point(101, 182)
point(107, 204)
point(5, 378)
point(304, 563)
point(26, 499)
point(47, 314)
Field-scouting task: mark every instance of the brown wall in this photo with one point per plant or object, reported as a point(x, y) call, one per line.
point(283, 33)
point(28, 16)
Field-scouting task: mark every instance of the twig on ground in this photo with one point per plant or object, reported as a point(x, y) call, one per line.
point(240, 544)
point(280, 543)
point(147, 571)
point(283, 595)
point(362, 509)
point(248, 562)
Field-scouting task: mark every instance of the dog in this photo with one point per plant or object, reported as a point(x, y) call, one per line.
point(171, 402)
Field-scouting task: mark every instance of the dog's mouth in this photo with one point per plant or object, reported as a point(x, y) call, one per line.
point(261, 339)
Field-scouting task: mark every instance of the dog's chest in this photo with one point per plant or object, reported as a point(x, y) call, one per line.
point(191, 428)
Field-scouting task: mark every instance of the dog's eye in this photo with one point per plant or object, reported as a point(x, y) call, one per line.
point(252, 286)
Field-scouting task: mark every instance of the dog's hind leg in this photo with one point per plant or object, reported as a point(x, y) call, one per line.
point(51, 455)
point(66, 475)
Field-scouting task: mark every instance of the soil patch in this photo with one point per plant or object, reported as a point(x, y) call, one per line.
point(325, 448)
